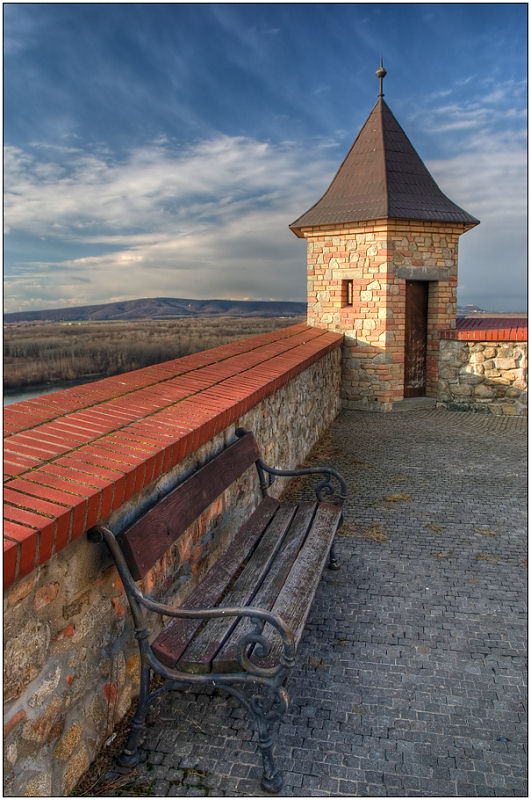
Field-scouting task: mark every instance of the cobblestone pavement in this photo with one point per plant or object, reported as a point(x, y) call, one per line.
point(411, 676)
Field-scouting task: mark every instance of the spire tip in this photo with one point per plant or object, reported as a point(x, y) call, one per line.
point(380, 74)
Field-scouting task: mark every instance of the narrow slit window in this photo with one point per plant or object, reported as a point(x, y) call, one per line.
point(348, 293)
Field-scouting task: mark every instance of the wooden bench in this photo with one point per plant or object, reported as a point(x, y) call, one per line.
point(243, 621)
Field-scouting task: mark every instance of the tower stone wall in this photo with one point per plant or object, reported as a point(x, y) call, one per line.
point(357, 277)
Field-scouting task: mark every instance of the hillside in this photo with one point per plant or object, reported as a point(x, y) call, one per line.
point(161, 308)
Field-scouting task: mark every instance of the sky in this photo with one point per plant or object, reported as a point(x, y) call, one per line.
point(162, 150)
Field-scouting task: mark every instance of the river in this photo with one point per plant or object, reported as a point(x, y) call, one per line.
point(17, 395)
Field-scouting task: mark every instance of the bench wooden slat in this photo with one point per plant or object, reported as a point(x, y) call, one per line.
point(199, 654)
point(146, 540)
point(227, 658)
point(173, 640)
point(294, 601)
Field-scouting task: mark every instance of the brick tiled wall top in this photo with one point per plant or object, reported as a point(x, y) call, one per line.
point(489, 329)
point(74, 456)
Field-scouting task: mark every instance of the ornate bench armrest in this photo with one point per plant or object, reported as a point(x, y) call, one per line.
point(325, 489)
point(137, 599)
point(258, 617)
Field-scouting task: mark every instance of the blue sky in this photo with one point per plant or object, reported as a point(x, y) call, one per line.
point(163, 149)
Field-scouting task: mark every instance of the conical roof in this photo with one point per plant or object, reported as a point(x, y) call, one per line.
point(382, 177)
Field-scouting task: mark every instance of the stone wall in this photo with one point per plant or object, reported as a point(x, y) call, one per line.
point(71, 664)
point(484, 376)
point(376, 258)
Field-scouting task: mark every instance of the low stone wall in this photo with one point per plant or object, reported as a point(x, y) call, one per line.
point(485, 376)
point(70, 662)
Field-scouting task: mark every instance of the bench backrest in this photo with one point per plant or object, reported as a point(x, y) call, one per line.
point(148, 538)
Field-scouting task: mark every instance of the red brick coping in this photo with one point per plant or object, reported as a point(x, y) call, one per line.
point(489, 329)
point(74, 456)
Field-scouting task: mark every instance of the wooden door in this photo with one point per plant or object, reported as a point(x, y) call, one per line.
point(416, 338)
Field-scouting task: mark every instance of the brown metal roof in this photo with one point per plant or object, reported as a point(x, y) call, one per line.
point(382, 176)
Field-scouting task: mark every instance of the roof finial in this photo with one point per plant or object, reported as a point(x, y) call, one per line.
point(381, 73)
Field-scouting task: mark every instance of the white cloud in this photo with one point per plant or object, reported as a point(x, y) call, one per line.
point(211, 220)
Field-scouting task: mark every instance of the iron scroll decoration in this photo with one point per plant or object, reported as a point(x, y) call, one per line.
point(325, 491)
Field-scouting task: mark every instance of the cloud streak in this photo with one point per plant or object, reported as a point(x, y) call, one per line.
point(212, 218)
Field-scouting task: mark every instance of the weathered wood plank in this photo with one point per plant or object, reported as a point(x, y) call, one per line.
point(294, 601)
point(147, 539)
point(200, 652)
point(227, 658)
point(172, 641)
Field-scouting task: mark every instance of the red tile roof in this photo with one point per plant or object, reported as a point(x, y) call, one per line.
point(489, 329)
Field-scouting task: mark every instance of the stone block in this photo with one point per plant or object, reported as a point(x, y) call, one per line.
point(40, 730)
point(20, 591)
point(39, 786)
point(368, 324)
point(471, 378)
point(24, 656)
point(45, 595)
point(77, 765)
point(13, 722)
point(68, 742)
point(513, 374)
point(448, 372)
point(505, 363)
point(462, 390)
point(484, 391)
point(45, 689)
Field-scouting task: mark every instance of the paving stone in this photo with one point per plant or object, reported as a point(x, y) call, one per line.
point(412, 665)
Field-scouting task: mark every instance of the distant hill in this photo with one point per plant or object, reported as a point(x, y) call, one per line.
point(161, 308)
point(464, 311)
point(471, 310)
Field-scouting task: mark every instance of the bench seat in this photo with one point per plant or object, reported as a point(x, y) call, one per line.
point(275, 563)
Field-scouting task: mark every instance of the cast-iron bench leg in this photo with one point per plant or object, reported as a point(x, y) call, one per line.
point(333, 563)
point(265, 710)
point(130, 755)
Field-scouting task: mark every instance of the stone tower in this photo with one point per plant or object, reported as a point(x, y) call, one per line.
point(382, 265)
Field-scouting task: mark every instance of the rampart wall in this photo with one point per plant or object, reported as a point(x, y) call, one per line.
point(105, 452)
point(484, 370)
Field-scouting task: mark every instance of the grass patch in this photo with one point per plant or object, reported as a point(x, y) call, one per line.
point(317, 662)
point(374, 532)
point(397, 498)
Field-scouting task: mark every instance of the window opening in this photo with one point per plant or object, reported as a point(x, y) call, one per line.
point(348, 292)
